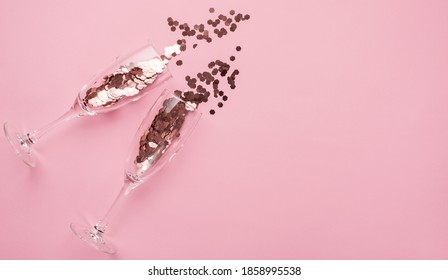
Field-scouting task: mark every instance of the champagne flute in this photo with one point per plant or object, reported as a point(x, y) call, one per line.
point(161, 134)
point(127, 79)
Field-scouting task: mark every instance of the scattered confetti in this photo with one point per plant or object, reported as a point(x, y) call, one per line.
point(200, 32)
point(207, 83)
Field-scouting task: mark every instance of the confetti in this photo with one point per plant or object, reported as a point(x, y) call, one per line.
point(126, 81)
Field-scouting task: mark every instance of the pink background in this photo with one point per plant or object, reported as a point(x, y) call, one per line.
point(333, 146)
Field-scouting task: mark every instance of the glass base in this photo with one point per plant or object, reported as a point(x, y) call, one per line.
point(20, 143)
point(93, 237)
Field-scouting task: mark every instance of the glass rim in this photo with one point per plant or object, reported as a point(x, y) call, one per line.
point(167, 92)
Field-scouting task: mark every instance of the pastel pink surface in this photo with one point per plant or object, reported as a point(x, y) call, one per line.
point(332, 146)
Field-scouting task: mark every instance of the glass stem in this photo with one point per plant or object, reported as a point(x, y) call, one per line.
point(127, 187)
point(35, 135)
